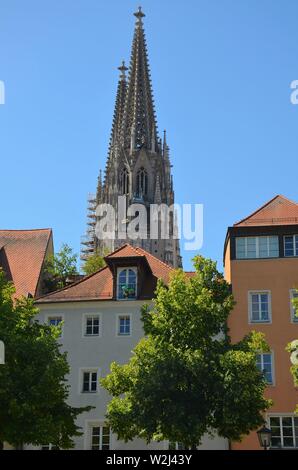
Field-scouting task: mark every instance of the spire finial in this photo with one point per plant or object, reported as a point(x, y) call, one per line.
point(139, 15)
point(123, 70)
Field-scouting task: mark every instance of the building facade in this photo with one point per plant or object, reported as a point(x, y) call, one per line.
point(261, 263)
point(101, 317)
point(138, 167)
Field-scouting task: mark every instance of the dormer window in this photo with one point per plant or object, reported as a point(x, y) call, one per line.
point(127, 284)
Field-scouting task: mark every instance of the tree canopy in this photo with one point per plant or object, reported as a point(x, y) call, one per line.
point(185, 377)
point(33, 389)
point(93, 263)
point(60, 267)
point(293, 349)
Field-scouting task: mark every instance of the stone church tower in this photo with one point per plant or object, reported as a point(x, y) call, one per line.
point(138, 164)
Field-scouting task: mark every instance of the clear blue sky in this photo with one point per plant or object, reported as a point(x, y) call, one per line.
point(221, 72)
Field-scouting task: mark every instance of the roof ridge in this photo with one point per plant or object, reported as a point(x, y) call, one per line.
point(73, 284)
point(263, 207)
point(26, 230)
point(155, 257)
point(118, 249)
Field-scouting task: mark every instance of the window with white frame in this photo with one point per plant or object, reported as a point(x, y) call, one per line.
point(257, 247)
point(124, 325)
point(127, 283)
point(284, 431)
point(100, 438)
point(92, 325)
point(291, 245)
point(89, 380)
point(265, 365)
point(294, 309)
point(259, 307)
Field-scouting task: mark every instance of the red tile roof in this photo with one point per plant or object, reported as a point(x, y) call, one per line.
point(277, 211)
point(99, 286)
point(22, 253)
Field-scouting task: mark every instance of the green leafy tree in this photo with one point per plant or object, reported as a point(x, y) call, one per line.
point(293, 349)
point(185, 377)
point(33, 389)
point(60, 267)
point(93, 263)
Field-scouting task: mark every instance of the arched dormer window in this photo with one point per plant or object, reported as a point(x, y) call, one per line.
point(124, 181)
point(142, 182)
point(127, 284)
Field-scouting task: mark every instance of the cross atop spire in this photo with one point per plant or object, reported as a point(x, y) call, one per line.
point(139, 15)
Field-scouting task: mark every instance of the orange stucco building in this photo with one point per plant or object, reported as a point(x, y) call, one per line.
point(261, 263)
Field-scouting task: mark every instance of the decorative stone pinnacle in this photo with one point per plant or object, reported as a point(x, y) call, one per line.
point(123, 69)
point(139, 14)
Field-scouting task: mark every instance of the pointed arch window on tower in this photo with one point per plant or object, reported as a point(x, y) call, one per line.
point(142, 182)
point(124, 181)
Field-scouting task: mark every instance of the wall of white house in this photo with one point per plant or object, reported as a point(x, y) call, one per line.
point(96, 353)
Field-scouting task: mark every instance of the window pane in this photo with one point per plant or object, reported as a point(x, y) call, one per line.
point(287, 421)
point(251, 247)
point(95, 330)
point(89, 330)
point(263, 247)
point(275, 442)
point(288, 442)
point(289, 245)
point(122, 275)
point(268, 374)
point(275, 431)
point(274, 421)
point(86, 386)
point(273, 246)
point(240, 247)
point(296, 245)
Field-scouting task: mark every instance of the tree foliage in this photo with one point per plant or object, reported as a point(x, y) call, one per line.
point(185, 377)
point(293, 349)
point(33, 390)
point(93, 263)
point(60, 267)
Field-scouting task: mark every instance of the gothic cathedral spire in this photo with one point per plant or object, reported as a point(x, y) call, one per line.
point(139, 115)
point(138, 164)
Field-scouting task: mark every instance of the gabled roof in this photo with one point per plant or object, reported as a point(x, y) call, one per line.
point(22, 254)
point(277, 211)
point(99, 286)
